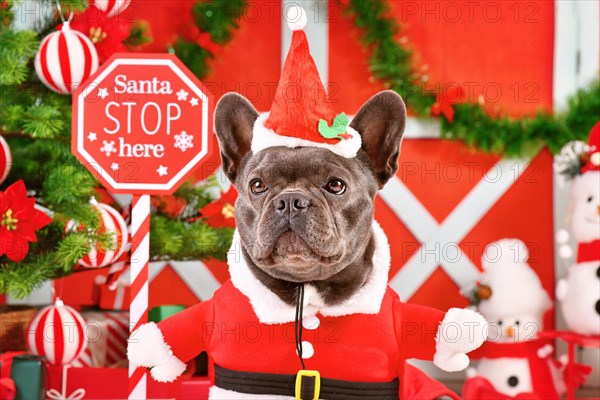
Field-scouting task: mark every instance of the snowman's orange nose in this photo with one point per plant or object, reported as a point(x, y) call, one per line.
point(510, 331)
point(598, 210)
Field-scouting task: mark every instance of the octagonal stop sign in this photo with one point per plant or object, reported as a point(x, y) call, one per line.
point(142, 124)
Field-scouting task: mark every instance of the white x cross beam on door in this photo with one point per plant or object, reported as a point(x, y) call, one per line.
point(434, 236)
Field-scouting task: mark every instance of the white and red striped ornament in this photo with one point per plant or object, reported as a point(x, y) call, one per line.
point(57, 333)
point(5, 159)
point(66, 58)
point(110, 222)
point(111, 7)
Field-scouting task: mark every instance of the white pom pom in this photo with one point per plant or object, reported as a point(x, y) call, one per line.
point(595, 158)
point(296, 18)
point(565, 252)
point(562, 236)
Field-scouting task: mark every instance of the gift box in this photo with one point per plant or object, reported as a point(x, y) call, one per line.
point(29, 376)
point(160, 313)
point(112, 383)
point(113, 296)
point(106, 339)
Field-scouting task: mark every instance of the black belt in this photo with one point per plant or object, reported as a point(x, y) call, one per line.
point(303, 386)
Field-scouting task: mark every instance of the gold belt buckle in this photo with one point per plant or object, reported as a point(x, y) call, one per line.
point(307, 372)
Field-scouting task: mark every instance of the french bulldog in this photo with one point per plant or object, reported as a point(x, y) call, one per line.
point(306, 242)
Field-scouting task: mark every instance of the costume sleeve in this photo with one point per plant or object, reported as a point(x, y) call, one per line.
point(167, 347)
point(189, 331)
point(416, 328)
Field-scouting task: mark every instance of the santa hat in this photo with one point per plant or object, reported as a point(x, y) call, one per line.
point(591, 160)
point(301, 114)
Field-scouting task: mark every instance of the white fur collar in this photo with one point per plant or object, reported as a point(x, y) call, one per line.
point(270, 309)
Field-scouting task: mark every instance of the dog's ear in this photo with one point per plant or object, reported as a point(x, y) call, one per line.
point(380, 122)
point(234, 120)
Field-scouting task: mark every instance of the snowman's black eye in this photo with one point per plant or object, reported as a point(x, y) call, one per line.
point(589, 199)
point(598, 307)
point(513, 381)
point(517, 322)
point(598, 272)
point(499, 323)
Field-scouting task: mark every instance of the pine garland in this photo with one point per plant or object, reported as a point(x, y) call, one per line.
point(391, 63)
point(36, 123)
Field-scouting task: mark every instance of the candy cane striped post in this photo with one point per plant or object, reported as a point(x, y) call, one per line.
point(138, 307)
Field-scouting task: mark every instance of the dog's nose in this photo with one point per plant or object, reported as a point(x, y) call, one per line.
point(291, 202)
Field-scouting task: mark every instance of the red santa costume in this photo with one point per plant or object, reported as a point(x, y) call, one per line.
point(262, 347)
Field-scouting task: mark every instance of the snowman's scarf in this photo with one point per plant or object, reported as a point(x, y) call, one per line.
point(589, 251)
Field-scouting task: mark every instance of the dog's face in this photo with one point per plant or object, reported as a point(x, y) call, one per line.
point(304, 214)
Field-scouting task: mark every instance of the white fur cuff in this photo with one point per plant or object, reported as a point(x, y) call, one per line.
point(146, 347)
point(460, 332)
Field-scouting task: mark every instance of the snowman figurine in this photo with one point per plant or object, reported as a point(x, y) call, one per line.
point(579, 292)
point(513, 362)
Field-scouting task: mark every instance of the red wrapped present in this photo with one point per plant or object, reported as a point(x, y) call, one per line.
point(64, 382)
point(111, 296)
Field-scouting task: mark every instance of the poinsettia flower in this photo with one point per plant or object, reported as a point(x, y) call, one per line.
point(221, 212)
point(19, 220)
point(107, 34)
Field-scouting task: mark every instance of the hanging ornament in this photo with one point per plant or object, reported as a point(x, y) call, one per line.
point(5, 159)
point(57, 333)
point(111, 222)
point(66, 58)
point(111, 7)
point(19, 220)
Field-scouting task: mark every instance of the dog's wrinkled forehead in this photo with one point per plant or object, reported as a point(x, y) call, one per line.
point(290, 166)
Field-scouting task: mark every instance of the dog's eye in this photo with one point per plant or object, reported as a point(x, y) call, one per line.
point(257, 186)
point(335, 186)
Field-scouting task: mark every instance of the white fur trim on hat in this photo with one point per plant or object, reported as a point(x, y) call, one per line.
point(146, 347)
point(270, 309)
point(460, 332)
point(264, 138)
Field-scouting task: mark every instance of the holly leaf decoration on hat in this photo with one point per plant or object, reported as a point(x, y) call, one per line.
point(338, 128)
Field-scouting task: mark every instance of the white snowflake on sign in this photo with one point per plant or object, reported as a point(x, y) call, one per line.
point(92, 136)
point(194, 101)
point(182, 95)
point(183, 141)
point(108, 147)
point(115, 166)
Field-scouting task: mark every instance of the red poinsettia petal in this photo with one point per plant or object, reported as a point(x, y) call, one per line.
point(40, 220)
point(17, 251)
point(213, 208)
point(23, 209)
point(25, 231)
point(15, 192)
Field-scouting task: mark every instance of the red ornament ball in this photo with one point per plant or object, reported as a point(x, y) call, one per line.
point(66, 58)
point(110, 222)
point(5, 159)
point(58, 333)
point(111, 7)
